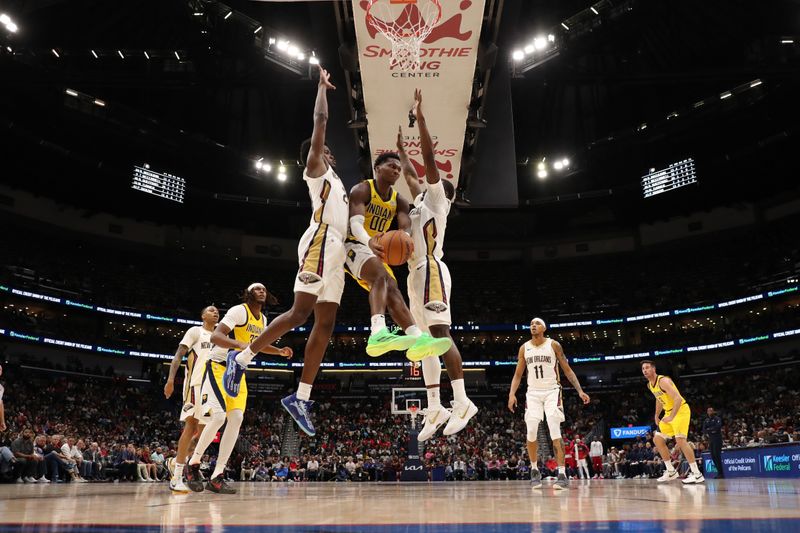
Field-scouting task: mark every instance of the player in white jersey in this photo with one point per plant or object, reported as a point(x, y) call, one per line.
point(320, 280)
point(429, 285)
point(541, 357)
point(195, 346)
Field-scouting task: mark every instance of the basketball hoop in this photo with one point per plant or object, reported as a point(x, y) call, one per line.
point(406, 23)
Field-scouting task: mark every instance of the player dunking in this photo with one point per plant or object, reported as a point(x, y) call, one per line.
point(541, 357)
point(240, 325)
point(674, 424)
point(195, 345)
point(320, 279)
point(374, 204)
point(429, 285)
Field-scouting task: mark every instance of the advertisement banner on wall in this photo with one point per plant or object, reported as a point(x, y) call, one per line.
point(445, 73)
point(781, 460)
point(630, 432)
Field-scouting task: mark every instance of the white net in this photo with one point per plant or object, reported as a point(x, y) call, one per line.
point(406, 25)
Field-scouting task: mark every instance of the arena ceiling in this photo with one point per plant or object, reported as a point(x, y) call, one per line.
point(205, 102)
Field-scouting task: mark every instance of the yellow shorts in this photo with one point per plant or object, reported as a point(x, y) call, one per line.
point(679, 427)
point(214, 399)
point(363, 283)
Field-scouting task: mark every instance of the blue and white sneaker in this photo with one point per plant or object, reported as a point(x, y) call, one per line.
point(233, 374)
point(299, 409)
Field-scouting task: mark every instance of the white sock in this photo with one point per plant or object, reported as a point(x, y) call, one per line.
point(206, 437)
point(433, 396)
point(378, 323)
point(228, 441)
point(413, 331)
point(562, 470)
point(695, 470)
point(303, 391)
point(245, 357)
point(534, 466)
point(459, 391)
point(669, 466)
point(178, 471)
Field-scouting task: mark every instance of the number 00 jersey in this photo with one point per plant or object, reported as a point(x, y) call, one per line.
point(542, 366)
point(379, 213)
point(244, 326)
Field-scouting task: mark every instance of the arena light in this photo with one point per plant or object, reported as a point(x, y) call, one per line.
point(258, 30)
point(594, 10)
point(5, 19)
point(301, 56)
point(787, 41)
point(564, 25)
point(12, 27)
point(540, 43)
point(226, 17)
point(541, 174)
point(755, 83)
point(99, 102)
point(565, 162)
point(71, 92)
point(313, 60)
point(178, 57)
point(281, 169)
point(529, 49)
point(672, 115)
point(282, 176)
point(122, 56)
point(292, 50)
point(197, 14)
point(259, 164)
point(272, 40)
point(146, 55)
point(94, 53)
point(558, 165)
point(551, 38)
point(726, 94)
point(283, 45)
point(518, 55)
point(55, 52)
point(267, 167)
point(642, 126)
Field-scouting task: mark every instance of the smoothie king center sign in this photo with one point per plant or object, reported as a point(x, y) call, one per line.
point(445, 73)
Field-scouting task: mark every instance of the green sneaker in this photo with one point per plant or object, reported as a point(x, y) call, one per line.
point(427, 346)
point(386, 341)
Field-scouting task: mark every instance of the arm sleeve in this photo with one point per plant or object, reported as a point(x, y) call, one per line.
point(357, 229)
point(236, 316)
point(190, 337)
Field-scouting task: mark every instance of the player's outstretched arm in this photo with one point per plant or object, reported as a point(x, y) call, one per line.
point(409, 173)
point(570, 375)
point(315, 164)
point(426, 143)
point(517, 379)
point(174, 365)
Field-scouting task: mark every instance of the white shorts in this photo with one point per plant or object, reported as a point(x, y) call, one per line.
point(321, 257)
point(541, 403)
point(357, 255)
point(191, 403)
point(582, 462)
point(429, 290)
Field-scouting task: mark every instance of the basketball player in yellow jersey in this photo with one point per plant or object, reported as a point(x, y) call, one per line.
point(195, 346)
point(374, 204)
point(241, 324)
point(674, 424)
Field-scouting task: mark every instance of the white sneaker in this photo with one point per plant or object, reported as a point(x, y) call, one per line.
point(29, 480)
point(693, 478)
point(178, 486)
point(20, 480)
point(42, 480)
point(434, 418)
point(462, 413)
point(668, 476)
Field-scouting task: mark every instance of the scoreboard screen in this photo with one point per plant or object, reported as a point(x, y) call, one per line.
point(675, 176)
point(159, 184)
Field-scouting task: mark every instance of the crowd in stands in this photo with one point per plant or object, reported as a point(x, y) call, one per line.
point(79, 428)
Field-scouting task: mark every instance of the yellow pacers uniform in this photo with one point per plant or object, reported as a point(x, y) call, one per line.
point(679, 427)
point(378, 217)
point(245, 327)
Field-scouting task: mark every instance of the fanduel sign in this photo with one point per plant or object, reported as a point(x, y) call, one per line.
point(629, 432)
point(447, 66)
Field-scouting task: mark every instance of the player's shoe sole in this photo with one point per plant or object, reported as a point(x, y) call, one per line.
point(434, 419)
point(298, 410)
point(427, 346)
point(233, 375)
point(178, 487)
point(385, 341)
point(562, 483)
point(460, 417)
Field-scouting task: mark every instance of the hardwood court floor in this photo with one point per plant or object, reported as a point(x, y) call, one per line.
point(464, 507)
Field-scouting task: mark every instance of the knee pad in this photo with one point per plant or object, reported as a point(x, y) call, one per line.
point(555, 428)
point(533, 430)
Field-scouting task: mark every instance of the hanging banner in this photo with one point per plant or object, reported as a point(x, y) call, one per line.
point(445, 74)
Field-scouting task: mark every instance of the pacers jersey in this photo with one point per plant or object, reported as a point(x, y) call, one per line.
point(328, 201)
point(662, 397)
point(542, 366)
point(244, 326)
point(428, 223)
point(378, 214)
point(198, 340)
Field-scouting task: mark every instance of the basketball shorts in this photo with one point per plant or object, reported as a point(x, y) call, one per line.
point(321, 257)
point(429, 287)
point(679, 427)
point(541, 403)
point(213, 398)
point(597, 463)
point(356, 255)
point(191, 402)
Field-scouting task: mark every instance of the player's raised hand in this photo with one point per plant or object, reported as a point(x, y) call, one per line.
point(584, 397)
point(169, 387)
point(400, 147)
point(416, 110)
point(512, 403)
point(325, 78)
point(286, 352)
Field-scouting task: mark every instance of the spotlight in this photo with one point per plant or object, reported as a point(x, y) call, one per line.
point(267, 167)
point(529, 49)
point(55, 52)
point(257, 30)
point(755, 83)
point(518, 55)
point(197, 14)
point(146, 55)
point(283, 45)
point(226, 17)
point(281, 176)
point(177, 56)
point(541, 165)
point(301, 56)
point(272, 40)
point(259, 164)
point(99, 102)
point(558, 165)
point(642, 126)
point(123, 57)
point(281, 169)
point(94, 54)
point(313, 60)
point(541, 174)
point(726, 94)
point(5, 19)
point(71, 92)
point(540, 43)
point(594, 10)
point(787, 41)
point(551, 38)
point(12, 27)
point(565, 162)
point(565, 26)
point(292, 50)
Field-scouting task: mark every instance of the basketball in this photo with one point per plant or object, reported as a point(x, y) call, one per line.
point(397, 245)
